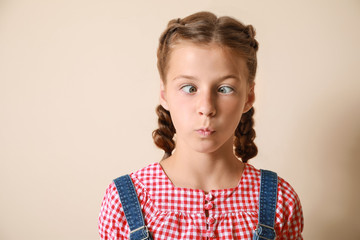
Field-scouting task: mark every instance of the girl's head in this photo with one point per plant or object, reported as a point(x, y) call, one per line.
point(237, 44)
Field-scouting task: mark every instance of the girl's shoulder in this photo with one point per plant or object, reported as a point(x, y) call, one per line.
point(148, 174)
point(141, 179)
point(112, 221)
point(289, 215)
point(284, 187)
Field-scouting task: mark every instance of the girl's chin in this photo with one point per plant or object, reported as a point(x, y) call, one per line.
point(206, 145)
point(206, 148)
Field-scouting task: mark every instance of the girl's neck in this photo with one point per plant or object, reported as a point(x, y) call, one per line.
point(205, 171)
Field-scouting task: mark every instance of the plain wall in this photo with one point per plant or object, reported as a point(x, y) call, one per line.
point(79, 87)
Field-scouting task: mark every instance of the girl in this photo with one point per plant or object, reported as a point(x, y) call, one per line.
point(203, 188)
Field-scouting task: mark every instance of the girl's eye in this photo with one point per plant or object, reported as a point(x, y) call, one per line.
point(189, 89)
point(226, 89)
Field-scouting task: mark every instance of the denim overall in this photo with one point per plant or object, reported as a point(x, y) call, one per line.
point(267, 207)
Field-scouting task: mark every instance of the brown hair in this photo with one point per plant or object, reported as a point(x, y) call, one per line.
point(206, 28)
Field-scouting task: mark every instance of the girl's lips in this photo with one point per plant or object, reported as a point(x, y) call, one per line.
point(205, 131)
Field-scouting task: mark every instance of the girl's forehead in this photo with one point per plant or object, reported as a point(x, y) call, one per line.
point(185, 53)
point(183, 44)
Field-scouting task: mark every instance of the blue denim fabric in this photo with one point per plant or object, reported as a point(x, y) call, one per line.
point(132, 209)
point(267, 206)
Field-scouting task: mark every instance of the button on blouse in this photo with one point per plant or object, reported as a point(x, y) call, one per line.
point(209, 206)
point(208, 197)
point(210, 220)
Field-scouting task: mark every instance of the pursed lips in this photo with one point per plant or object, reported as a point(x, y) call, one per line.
point(205, 131)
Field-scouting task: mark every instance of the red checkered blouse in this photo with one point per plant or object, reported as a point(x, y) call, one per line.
point(179, 213)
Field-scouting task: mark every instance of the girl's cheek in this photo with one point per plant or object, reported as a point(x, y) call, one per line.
point(230, 103)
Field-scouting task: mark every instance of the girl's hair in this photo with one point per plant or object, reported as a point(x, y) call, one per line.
point(206, 28)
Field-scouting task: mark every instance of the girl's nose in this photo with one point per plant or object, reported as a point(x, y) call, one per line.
point(206, 105)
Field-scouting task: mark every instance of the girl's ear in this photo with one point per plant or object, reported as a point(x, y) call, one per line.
point(250, 98)
point(163, 100)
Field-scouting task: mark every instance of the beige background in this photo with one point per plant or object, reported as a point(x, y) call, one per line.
point(78, 89)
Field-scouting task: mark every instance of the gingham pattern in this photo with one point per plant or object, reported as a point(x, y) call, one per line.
point(179, 213)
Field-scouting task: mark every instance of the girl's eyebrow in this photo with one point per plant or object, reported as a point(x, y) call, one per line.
point(229, 76)
point(220, 79)
point(185, 76)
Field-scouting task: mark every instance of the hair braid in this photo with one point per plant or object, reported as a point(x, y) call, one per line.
point(245, 147)
point(250, 31)
point(163, 136)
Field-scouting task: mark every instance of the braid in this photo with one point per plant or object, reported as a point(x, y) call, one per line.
point(163, 136)
point(245, 147)
point(250, 31)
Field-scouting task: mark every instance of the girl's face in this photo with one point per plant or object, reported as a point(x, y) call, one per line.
point(206, 92)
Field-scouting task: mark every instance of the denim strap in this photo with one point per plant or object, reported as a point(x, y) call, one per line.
point(132, 209)
point(267, 206)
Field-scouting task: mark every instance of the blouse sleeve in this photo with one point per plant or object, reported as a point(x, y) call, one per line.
point(112, 221)
point(289, 215)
